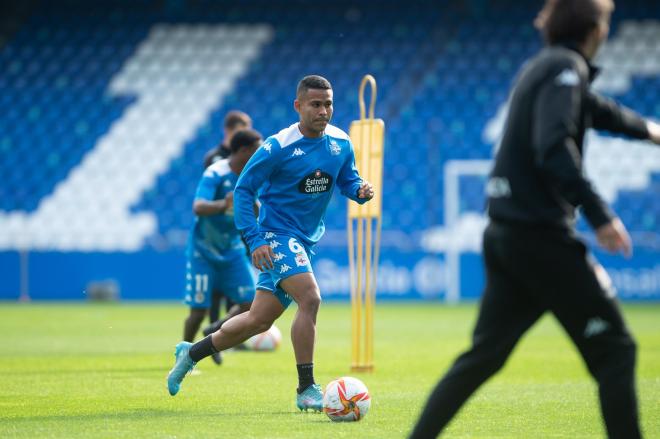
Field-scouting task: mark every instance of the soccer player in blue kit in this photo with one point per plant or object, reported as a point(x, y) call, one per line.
point(293, 173)
point(216, 254)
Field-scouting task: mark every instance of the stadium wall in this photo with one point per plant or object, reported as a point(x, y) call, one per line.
point(152, 275)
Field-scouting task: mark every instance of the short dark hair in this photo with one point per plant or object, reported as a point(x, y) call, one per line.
point(244, 139)
point(570, 20)
point(235, 118)
point(312, 82)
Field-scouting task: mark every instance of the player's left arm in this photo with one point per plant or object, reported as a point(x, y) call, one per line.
point(351, 184)
point(608, 115)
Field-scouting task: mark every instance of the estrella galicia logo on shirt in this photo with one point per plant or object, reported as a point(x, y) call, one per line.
point(315, 183)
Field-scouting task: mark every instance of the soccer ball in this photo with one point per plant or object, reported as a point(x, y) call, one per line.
point(266, 341)
point(346, 399)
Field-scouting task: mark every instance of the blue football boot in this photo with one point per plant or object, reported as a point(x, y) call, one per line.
point(182, 366)
point(310, 398)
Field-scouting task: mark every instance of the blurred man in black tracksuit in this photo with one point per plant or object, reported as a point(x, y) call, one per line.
point(534, 261)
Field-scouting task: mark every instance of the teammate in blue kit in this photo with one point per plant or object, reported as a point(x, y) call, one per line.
point(233, 122)
point(293, 173)
point(216, 254)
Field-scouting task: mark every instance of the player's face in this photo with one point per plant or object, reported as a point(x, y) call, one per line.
point(597, 36)
point(315, 109)
point(603, 28)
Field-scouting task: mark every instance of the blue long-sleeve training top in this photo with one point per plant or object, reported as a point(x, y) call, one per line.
point(215, 236)
point(294, 177)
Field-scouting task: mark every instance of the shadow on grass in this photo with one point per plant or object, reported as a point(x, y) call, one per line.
point(145, 413)
point(137, 370)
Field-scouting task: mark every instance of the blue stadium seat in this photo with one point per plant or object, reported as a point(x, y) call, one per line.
point(442, 76)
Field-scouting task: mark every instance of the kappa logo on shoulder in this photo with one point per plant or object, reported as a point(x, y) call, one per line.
point(568, 77)
point(267, 146)
point(297, 152)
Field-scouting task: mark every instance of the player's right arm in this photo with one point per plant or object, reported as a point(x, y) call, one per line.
point(205, 203)
point(256, 172)
point(203, 207)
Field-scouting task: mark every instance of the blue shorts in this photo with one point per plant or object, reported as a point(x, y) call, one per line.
point(291, 257)
point(234, 278)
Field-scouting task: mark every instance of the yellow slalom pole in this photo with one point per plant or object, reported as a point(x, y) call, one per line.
point(366, 142)
point(355, 344)
point(371, 295)
point(367, 135)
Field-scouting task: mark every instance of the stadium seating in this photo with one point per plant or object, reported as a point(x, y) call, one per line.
point(72, 72)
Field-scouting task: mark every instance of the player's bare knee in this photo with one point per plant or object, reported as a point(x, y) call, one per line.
point(311, 301)
point(260, 326)
point(260, 322)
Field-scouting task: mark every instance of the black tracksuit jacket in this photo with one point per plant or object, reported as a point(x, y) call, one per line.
point(537, 178)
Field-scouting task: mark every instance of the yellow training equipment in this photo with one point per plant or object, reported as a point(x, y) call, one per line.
point(364, 221)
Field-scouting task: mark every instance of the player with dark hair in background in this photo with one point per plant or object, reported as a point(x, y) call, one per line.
point(294, 173)
point(534, 261)
point(216, 254)
point(234, 121)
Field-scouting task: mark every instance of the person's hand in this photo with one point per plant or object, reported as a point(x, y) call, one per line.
point(262, 258)
point(614, 237)
point(654, 131)
point(366, 190)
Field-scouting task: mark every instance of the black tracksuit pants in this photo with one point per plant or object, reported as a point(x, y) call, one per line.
point(530, 271)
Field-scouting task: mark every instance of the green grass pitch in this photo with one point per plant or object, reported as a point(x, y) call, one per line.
point(94, 370)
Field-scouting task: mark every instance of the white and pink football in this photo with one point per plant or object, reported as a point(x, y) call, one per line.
point(346, 399)
point(266, 341)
